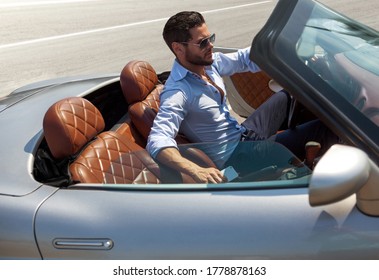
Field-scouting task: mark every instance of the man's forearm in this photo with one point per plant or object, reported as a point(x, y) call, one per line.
point(173, 159)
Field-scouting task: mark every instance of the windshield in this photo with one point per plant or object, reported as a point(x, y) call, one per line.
point(346, 55)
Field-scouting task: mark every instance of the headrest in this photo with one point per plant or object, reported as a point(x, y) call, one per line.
point(70, 124)
point(138, 79)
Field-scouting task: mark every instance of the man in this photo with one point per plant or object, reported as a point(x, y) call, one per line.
point(194, 101)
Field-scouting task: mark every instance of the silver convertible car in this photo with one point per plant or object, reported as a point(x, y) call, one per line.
point(77, 183)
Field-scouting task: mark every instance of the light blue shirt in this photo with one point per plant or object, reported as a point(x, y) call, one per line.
point(194, 106)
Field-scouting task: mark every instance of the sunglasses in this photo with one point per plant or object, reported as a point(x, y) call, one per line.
point(203, 43)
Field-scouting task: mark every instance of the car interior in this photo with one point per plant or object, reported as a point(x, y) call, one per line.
point(100, 138)
point(93, 140)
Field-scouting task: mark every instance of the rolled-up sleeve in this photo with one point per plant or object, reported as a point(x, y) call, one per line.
point(236, 62)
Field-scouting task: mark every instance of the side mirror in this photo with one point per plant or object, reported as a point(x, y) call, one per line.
point(341, 172)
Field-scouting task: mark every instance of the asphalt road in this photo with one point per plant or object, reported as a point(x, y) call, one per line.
point(45, 39)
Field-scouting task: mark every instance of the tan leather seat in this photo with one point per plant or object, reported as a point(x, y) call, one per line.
point(141, 89)
point(72, 129)
point(252, 87)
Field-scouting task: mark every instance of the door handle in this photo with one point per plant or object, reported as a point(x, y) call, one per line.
point(83, 243)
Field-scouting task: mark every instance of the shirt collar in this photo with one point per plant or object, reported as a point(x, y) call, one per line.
point(178, 72)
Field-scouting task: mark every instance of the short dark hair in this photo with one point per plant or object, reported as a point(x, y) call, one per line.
point(177, 27)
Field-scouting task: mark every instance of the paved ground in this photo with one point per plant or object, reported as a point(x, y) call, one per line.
point(49, 38)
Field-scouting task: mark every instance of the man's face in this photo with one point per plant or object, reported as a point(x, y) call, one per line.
point(196, 55)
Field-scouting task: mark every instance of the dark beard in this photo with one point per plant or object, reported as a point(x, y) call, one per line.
point(196, 60)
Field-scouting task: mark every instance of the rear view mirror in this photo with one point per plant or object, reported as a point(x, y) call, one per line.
point(341, 172)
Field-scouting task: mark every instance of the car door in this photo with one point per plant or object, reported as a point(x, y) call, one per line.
point(252, 219)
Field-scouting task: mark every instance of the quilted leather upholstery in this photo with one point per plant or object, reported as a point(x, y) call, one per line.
point(253, 87)
point(138, 79)
point(141, 89)
point(107, 160)
point(70, 124)
point(71, 127)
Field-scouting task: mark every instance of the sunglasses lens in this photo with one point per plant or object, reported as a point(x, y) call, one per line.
point(206, 41)
point(212, 38)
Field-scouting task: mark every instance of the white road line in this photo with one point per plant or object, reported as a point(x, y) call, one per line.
point(237, 7)
point(39, 3)
point(52, 38)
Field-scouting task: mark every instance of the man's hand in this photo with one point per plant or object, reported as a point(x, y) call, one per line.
point(208, 175)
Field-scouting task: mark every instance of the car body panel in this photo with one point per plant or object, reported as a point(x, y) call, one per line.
point(17, 214)
point(228, 224)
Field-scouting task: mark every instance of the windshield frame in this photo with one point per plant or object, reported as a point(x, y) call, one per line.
point(274, 49)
